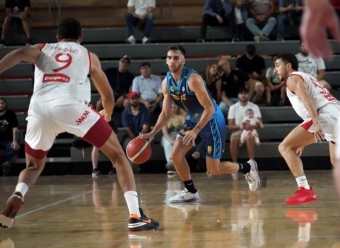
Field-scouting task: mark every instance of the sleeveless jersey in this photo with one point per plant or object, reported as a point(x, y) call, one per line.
point(183, 97)
point(319, 94)
point(61, 73)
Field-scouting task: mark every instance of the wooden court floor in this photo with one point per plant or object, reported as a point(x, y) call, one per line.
point(77, 211)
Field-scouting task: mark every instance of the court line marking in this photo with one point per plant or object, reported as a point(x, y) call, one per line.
point(52, 204)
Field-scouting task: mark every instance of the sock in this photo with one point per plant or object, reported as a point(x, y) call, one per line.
point(302, 182)
point(189, 185)
point(244, 168)
point(131, 198)
point(22, 188)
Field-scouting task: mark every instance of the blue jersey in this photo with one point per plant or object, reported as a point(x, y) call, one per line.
point(183, 97)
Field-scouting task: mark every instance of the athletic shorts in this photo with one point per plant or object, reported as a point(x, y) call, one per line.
point(213, 135)
point(329, 116)
point(47, 119)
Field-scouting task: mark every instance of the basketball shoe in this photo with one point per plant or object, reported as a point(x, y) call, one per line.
point(302, 217)
point(252, 177)
point(142, 223)
point(302, 195)
point(10, 209)
point(185, 196)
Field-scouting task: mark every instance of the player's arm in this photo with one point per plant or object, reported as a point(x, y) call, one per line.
point(102, 84)
point(232, 126)
point(196, 85)
point(25, 54)
point(166, 110)
point(297, 85)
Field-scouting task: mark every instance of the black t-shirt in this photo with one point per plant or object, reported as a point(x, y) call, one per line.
point(7, 122)
point(17, 7)
point(120, 82)
point(237, 79)
point(256, 64)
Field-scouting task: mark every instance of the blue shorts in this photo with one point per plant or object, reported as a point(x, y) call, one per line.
point(212, 136)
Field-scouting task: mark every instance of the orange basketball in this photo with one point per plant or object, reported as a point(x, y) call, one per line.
point(138, 151)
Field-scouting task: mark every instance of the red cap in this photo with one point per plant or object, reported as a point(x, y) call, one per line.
point(133, 94)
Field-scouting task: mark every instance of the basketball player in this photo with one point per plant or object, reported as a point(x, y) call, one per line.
point(204, 123)
point(60, 104)
point(320, 112)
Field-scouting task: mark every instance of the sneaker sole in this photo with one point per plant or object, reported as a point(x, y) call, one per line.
point(183, 201)
point(309, 199)
point(257, 176)
point(11, 208)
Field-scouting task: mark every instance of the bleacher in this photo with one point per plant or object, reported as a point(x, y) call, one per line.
point(104, 34)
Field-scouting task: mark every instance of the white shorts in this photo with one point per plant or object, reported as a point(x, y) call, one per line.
point(47, 119)
point(329, 117)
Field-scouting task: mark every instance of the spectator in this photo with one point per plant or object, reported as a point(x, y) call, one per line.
point(170, 131)
point(215, 13)
point(250, 119)
point(239, 17)
point(262, 17)
point(149, 87)
point(311, 65)
point(8, 135)
point(213, 80)
point(290, 11)
point(140, 15)
point(120, 80)
point(136, 120)
point(255, 67)
point(274, 86)
point(18, 13)
point(236, 115)
point(232, 81)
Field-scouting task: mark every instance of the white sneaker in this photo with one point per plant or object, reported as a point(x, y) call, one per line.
point(131, 40)
point(234, 176)
point(185, 196)
point(252, 177)
point(145, 40)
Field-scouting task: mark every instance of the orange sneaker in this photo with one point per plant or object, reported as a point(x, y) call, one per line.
point(11, 208)
point(302, 195)
point(302, 217)
point(142, 223)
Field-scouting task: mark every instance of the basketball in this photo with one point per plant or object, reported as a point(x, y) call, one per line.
point(138, 151)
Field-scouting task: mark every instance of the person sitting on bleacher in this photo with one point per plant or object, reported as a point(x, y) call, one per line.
point(274, 86)
point(312, 65)
point(18, 13)
point(239, 16)
point(215, 13)
point(136, 120)
point(237, 113)
point(254, 65)
point(140, 15)
point(232, 81)
point(8, 136)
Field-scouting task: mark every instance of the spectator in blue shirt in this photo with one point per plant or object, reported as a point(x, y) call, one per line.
point(215, 13)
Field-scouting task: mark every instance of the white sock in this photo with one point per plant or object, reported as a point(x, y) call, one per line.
point(131, 198)
point(302, 182)
point(22, 188)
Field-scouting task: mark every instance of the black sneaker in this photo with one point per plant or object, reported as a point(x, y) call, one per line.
point(112, 172)
point(2, 43)
point(10, 210)
point(95, 173)
point(142, 223)
point(6, 167)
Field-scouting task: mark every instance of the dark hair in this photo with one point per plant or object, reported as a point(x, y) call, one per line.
point(177, 47)
point(145, 64)
point(3, 99)
point(251, 49)
point(69, 28)
point(289, 58)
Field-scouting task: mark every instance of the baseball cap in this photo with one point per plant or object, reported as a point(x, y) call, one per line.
point(126, 58)
point(132, 94)
point(243, 89)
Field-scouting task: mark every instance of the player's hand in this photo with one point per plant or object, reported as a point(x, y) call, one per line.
point(318, 16)
point(15, 146)
point(189, 137)
point(107, 116)
point(219, 18)
point(318, 133)
point(299, 151)
point(147, 136)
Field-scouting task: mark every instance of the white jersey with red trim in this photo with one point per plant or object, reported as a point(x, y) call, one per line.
point(61, 72)
point(319, 94)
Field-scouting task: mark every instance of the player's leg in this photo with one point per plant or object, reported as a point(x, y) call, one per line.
point(332, 152)
point(94, 160)
point(298, 137)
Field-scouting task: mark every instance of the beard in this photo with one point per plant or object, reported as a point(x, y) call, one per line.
point(3, 110)
point(175, 69)
point(304, 53)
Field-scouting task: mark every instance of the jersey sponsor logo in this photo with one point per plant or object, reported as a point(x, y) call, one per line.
point(83, 117)
point(60, 78)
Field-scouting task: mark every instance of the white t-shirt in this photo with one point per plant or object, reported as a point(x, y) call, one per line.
point(310, 65)
point(141, 6)
point(238, 112)
point(147, 88)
